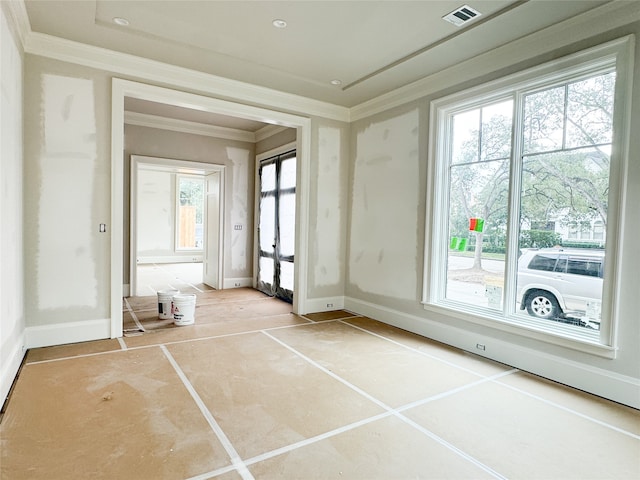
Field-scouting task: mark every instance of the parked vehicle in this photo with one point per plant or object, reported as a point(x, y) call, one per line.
point(562, 284)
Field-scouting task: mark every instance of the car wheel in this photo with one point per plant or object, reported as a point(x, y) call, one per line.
point(542, 304)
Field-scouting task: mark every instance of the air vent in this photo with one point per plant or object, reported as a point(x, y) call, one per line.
point(461, 15)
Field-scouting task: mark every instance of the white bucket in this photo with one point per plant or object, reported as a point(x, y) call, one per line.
point(165, 303)
point(184, 309)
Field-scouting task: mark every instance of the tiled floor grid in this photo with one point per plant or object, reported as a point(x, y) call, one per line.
point(253, 391)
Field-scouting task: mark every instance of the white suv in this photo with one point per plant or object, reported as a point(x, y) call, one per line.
point(562, 284)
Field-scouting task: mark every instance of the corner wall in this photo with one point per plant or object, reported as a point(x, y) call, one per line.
point(12, 317)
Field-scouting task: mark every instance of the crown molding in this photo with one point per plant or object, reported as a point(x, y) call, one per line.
point(152, 71)
point(184, 126)
point(269, 131)
point(18, 19)
point(599, 20)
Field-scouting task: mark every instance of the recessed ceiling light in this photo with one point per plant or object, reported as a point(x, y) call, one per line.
point(336, 82)
point(123, 22)
point(278, 23)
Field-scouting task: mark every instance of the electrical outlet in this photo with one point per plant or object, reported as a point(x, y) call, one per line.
point(480, 346)
point(329, 305)
point(237, 226)
point(237, 284)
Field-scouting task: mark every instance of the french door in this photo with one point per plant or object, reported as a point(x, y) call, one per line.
point(276, 229)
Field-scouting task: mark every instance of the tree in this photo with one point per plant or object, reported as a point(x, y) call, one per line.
point(480, 175)
point(566, 141)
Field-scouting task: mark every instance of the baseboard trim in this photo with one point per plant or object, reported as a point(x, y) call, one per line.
point(71, 332)
point(619, 388)
point(325, 304)
point(10, 368)
point(240, 282)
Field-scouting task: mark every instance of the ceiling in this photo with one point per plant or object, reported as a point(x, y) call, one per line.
point(372, 47)
point(198, 116)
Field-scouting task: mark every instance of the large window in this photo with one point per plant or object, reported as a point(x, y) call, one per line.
point(523, 182)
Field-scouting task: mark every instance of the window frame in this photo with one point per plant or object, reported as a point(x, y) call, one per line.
point(617, 54)
point(177, 247)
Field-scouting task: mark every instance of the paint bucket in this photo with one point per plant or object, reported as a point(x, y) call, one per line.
point(165, 303)
point(184, 309)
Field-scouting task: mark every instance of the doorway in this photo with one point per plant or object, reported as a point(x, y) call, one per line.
point(122, 89)
point(276, 225)
point(163, 219)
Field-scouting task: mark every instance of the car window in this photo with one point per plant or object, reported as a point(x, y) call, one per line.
point(561, 266)
point(543, 261)
point(590, 267)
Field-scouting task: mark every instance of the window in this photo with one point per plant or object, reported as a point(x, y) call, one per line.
point(523, 168)
point(189, 217)
point(544, 262)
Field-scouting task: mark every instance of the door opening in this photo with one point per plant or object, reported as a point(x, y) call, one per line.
point(181, 256)
point(276, 225)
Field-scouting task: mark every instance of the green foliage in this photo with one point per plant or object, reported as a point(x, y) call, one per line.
point(539, 239)
point(591, 245)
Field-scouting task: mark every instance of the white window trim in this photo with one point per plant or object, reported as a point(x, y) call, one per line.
point(619, 53)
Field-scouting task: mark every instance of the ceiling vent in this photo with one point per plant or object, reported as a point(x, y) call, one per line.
point(461, 15)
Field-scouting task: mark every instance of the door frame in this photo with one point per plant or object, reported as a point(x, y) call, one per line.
point(256, 210)
point(126, 88)
point(173, 166)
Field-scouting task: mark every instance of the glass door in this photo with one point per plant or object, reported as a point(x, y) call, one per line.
point(276, 229)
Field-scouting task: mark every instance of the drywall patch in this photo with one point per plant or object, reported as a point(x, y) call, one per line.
point(66, 257)
point(238, 210)
point(384, 219)
point(329, 200)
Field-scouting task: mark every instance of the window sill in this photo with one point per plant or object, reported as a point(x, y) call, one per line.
point(561, 335)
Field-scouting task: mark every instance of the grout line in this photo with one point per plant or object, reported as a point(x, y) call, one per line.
point(329, 319)
point(450, 446)
point(224, 440)
point(133, 315)
point(123, 345)
point(453, 391)
point(176, 342)
point(84, 355)
point(494, 379)
point(569, 410)
point(415, 350)
point(393, 411)
point(316, 438)
point(366, 421)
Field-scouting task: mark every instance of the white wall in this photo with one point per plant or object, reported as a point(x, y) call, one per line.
point(12, 318)
point(67, 185)
point(156, 213)
point(388, 194)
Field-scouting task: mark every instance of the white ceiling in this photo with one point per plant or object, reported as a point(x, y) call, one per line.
point(190, 115)
point(373, 47)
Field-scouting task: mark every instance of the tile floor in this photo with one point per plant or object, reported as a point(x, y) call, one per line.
point(253, 391)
